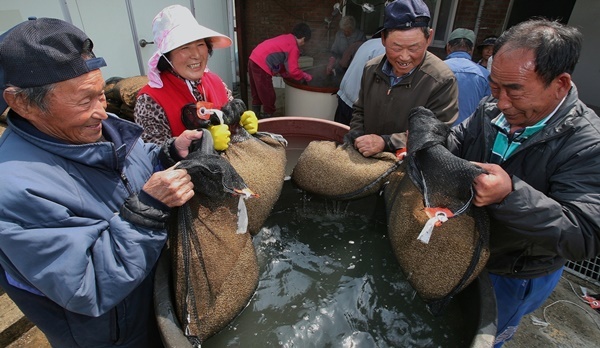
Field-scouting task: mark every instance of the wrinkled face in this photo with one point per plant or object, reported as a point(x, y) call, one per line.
point(405, 49)
point(486, 52)
point(522, 96)
point(189, 60)
point(76, 108)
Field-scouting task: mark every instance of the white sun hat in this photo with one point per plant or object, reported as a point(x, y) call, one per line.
point(173, 27)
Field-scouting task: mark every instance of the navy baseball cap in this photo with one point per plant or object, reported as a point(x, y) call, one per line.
point(3, 104)
point(406, 14)
point(43, 51)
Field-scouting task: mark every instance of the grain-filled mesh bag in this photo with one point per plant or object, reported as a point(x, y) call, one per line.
point(260, 159)
point(439, 238)
point(331, 170)
point(213, 260)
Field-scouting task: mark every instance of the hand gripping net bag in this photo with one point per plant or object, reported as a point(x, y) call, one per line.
point(340, 172)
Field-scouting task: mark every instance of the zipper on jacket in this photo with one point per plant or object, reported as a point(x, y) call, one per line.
point(126, 183)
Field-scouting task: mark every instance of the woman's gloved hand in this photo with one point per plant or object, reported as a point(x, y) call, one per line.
point(330, 65)
point(249, 121)
point(307, 77)
point(221, 136)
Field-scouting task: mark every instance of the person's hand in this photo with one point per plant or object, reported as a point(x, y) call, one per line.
point(249, 121)
point(173, 187)
point(369, 144)
point(493, 187)
point(221, 136)
point(330, 65)
point(306, 77)
point(184, 140)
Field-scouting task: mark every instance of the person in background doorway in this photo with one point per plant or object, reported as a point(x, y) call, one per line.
point(472, 78)
point(85, 203)
point(486, 48)
point(347, 40)
point(275, 56)
point(350, 85)
point(405, 77)
point(178, 75)
point(540, 146)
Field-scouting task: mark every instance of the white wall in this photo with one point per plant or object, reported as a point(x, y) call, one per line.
point(587, 73)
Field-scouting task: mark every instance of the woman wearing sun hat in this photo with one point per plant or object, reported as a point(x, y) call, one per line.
point(178, 74)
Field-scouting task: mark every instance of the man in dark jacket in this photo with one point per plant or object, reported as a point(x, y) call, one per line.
point(541, 148)
point(85, 202)
point(405, 77)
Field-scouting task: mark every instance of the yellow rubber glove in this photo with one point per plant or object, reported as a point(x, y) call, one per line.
point(249, 121)
point(221, 136)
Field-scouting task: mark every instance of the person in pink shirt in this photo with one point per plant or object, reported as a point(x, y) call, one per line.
point(275, 56)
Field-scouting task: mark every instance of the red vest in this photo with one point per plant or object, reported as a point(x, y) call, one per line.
point(175, 94)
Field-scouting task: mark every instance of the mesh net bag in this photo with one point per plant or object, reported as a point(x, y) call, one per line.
point(214, 267)
point(439, 239)
point(340, 172)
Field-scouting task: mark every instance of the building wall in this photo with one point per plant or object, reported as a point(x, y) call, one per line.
point(587, 73)
point(269, 18)
point(264, 19)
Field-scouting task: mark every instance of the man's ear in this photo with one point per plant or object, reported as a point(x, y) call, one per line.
point(563, 82)
point(20, 105)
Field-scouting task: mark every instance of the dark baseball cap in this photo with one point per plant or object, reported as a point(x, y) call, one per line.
point(404, 13)
point(3, 104)
point(43, 51)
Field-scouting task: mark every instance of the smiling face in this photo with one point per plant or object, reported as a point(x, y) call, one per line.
point(75, 109)
point(190, 60)
point(522, 95)
point(405, 49)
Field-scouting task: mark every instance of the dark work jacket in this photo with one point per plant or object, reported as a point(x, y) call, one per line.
point(553, 213)
point(383, 110)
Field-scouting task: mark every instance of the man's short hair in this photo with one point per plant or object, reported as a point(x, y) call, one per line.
point(556, 46)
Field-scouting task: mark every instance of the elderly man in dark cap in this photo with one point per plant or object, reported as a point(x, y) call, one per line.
point(85, 202)
point(405, 77)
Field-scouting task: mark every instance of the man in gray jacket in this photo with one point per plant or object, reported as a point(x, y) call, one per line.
point(540, 146)
point(85, 202)
point(405, 77)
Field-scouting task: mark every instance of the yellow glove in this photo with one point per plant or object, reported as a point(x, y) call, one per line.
point(249, 121)
point(221, 136)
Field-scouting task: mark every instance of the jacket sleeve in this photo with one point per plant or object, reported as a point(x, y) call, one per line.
point(83, 264)
point(565, 220)
point(357, 123)
point(292, 66)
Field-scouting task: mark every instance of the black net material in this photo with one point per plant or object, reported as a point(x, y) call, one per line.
point(214, 265)
point(444, 179)
point(214, 178)
point(232, 111)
